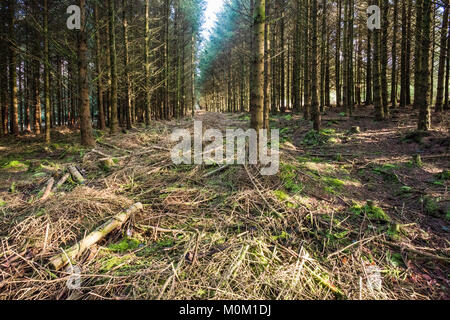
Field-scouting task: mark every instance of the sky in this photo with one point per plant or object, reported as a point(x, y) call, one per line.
point(212, 8)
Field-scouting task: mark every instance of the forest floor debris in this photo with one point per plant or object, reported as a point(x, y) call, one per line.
point(349, 216)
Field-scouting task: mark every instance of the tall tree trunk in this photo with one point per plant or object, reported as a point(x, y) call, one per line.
point(418, 51)
point(47, 75)
point(193, 98)
point(447, 76)
point(314, 98)
point(442, 59)
point(369, 74)
point(338, 54)
point(98, 59)
point(3, 75)
point(384, 57)
point(14, 108)
point(282, 62)
point(378, 101)
point(114, 126)
point(257, 85)
point(306, 67)
point(323, 42)
point(394, 58)
point(267, 74)
point(147, 64)
point(126, 64)
point(403, 73)
point(408, 53)
point(87, 136)
point(422, 94)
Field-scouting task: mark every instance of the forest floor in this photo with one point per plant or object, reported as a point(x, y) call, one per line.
point(351, 215)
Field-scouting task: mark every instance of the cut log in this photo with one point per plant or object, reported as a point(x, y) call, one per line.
point(48, 189)
point(76, 175)
point(59, 261)
point(61, 182)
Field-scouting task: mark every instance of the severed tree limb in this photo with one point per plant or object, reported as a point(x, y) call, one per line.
point(113, 147)
point(100, 233)
point(76, 174)
point(48, 189)
point(104, 155)
point(61, 182)
point(215, 171)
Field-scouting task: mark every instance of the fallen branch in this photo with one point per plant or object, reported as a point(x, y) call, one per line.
point(104, 155)
point(61, 182)
point(215, 171)
point(76, 174)
point(418, 252)
point(48, 189)
point(113, 147)
point(100, 233)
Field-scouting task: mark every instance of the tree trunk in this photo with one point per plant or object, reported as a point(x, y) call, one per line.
point(87, 136)
point(442, 59)
point(14, 108)
point(314, 95)
point(257, 85)
point(338, 54)
point(126, 64)
point(384, 57)
point(47, 75)
point(378, 101)
point(98, 59)
point(423, 85)
point(394, 58)
point(114, 125)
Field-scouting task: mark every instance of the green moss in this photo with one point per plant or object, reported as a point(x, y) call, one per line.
point(2, 202)
point(334, 185)
point(430, 205)
point(14, 164)
point(314, 138)
point(396, 259)
point(288, 176)
point(387, 172)
point(125, 245)
point(285, 198)
point(371, 211)
point(404, 191)
point(283, 236)
point(110, 262)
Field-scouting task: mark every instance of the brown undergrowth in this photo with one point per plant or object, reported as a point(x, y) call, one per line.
point(349, 216)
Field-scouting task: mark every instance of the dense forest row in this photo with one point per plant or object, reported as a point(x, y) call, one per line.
point(135, 61)
point(131, 61)
point(320, 53)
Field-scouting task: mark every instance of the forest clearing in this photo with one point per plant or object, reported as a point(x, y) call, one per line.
point(353, 94)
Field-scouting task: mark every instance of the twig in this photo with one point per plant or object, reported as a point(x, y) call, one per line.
point(215, 171)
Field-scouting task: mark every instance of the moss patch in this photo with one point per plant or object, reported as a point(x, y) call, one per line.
point(371, 211)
